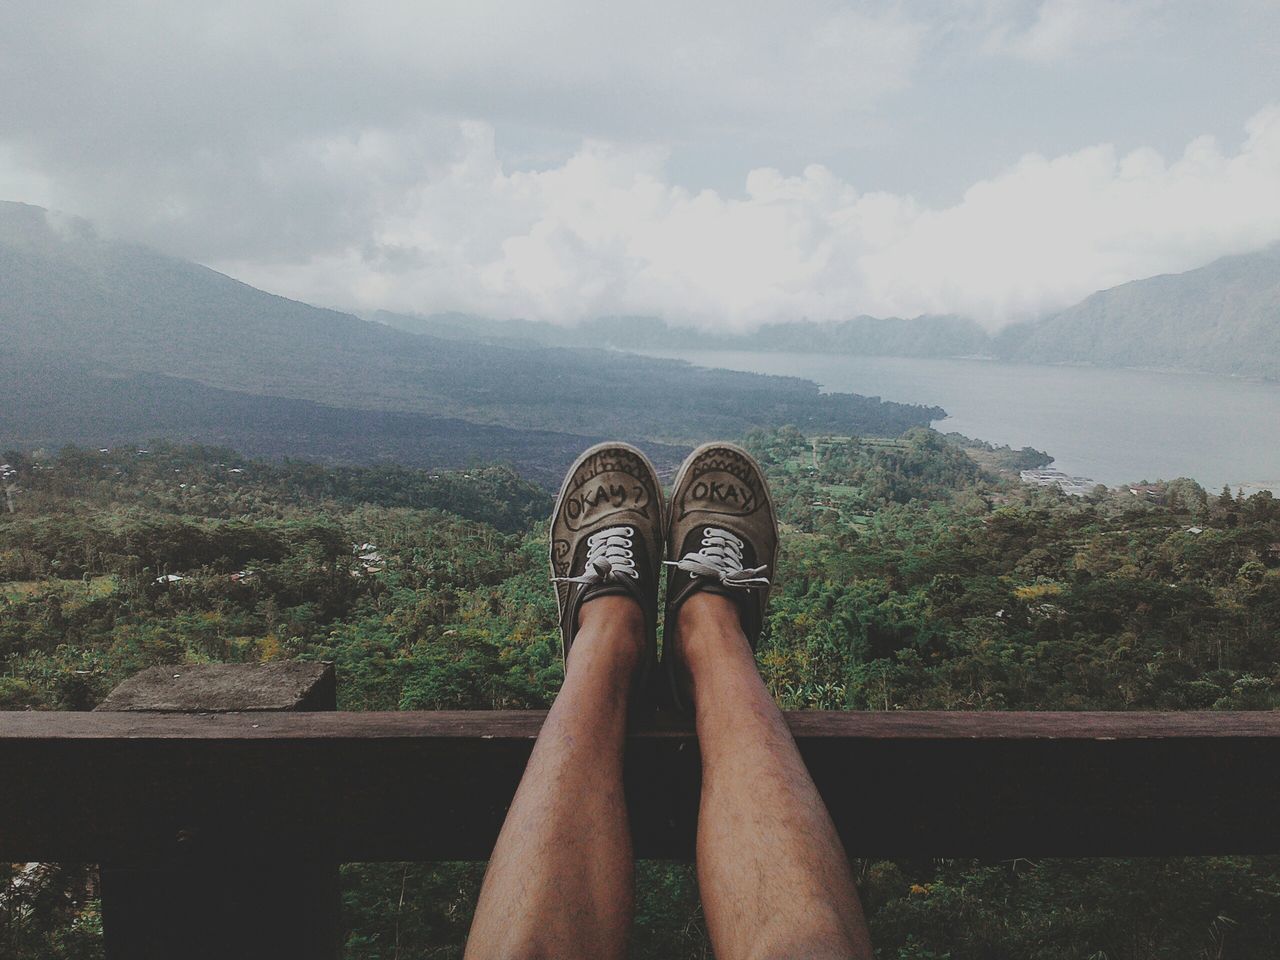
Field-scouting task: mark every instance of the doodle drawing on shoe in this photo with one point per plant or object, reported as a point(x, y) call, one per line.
point(606, 537)
point(722, 537)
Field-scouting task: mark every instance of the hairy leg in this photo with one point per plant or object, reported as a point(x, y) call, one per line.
point(561, 881)
point(774, 877)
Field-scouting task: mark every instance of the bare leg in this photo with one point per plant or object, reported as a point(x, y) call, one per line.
point(774, 878)
point(560, 884)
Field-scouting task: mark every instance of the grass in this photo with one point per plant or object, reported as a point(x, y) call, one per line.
point(91, 589)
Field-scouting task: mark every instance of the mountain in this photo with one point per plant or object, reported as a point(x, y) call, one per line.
point(924, 336)
point(1220, 318)
point(50, 404)
point(146, 334)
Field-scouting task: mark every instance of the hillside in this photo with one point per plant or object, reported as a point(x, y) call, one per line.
point(925, 336)
point(910, 579)
point(68, 297)
point(51, 404)
point(1220, 318)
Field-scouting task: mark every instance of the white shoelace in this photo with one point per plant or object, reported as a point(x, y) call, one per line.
point(609, 557)
point(721, 558)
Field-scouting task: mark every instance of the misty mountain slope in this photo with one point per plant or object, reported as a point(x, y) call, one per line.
point(1220, 318)
point(925, 336)
point(51, 404)
point(68, 296)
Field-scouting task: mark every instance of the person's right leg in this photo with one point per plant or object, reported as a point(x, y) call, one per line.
point(774, 877)
point(560, 882)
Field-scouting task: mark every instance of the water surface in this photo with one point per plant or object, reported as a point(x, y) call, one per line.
point(1115, 426)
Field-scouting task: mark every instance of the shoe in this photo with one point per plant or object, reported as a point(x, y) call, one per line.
point(722, 537)
point(606, 539)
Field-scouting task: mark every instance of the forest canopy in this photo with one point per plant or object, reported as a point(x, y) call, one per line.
point(916, 573)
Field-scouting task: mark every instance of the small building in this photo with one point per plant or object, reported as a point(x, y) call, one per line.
point(1048, 477)
point(1151, 492)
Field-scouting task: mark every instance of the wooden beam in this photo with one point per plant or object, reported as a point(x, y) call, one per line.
point(202, 902)
point(227, 688)
point(431, 786)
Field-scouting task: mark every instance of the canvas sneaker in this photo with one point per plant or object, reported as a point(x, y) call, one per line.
point(722, 537)
point(606, 538)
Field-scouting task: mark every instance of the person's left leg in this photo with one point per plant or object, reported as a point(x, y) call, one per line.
point(774, 877)
point(560, 882)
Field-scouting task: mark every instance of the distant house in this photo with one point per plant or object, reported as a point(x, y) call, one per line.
point(1196, 531)
point(1072, 486)
point(170, 578)
point(1153, 492)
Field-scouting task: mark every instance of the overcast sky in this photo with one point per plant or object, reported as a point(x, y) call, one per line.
point(716, 163)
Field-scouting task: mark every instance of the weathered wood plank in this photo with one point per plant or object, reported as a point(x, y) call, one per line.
point(202, 902)
point(227, 688)
point(107, 786)
point(525, 724)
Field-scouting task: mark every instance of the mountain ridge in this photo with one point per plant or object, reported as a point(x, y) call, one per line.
point(1223, 317)
point(923, 336)
point(69, 298)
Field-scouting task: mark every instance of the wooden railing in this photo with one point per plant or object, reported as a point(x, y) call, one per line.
point(178, 794)
point(416, 785)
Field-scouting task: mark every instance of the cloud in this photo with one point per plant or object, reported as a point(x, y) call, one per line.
point(264, 130)
point(563, 159)
point(1063, 28)
point(20, 179)
point(136, 77)
point(606, 233)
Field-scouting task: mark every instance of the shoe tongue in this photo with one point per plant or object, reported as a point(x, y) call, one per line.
point(624, 584)
point(693, 543)
point(639, 554)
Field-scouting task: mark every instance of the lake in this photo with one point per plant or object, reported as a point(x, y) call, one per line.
point(1114, 426)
